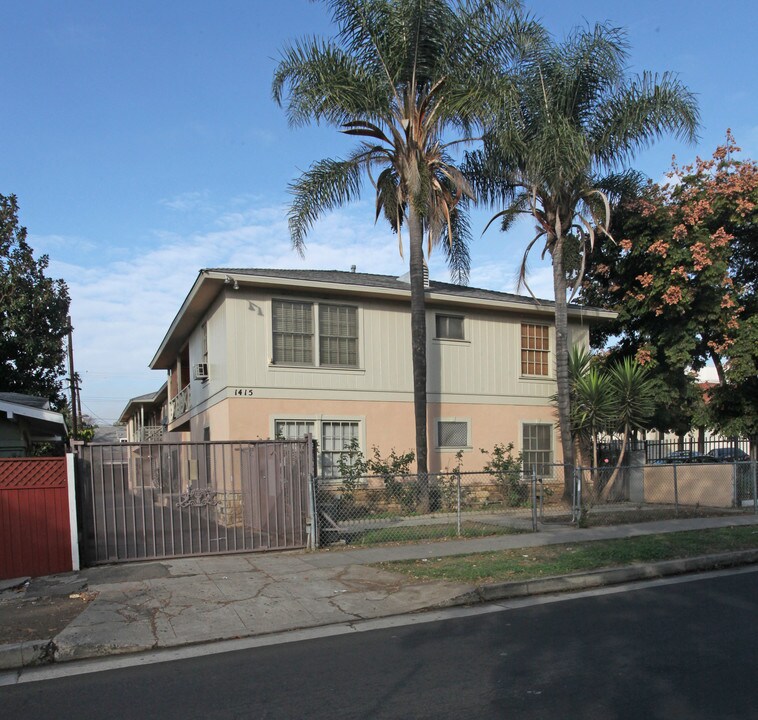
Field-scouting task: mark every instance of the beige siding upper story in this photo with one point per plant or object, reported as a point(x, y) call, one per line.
point(484, 367)
point(204, 391)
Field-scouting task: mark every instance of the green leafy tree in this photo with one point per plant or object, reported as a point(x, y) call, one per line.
point(577, 119)
point(400, 75)
point(683, 281)
point(33, 315)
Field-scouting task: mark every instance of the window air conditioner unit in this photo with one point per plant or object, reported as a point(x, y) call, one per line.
point(201, 371)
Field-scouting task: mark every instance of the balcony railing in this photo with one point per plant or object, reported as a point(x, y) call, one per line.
point(150, 433)
point(179, 404)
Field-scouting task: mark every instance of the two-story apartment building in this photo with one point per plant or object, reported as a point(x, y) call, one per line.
point(278, 353)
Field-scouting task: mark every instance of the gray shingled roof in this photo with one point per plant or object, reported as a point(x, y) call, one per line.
point(382, 281)
point(32, 401)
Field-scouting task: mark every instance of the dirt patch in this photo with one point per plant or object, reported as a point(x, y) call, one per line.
point(39, 619)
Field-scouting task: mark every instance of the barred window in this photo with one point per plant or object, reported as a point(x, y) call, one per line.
point(293, 332)
point(338, 335)
point(537, 449)
point(452, 434)
point(449, 327)
point(535, 350)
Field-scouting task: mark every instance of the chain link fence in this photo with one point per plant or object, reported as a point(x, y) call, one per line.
point(641, 492)
point(376, 509)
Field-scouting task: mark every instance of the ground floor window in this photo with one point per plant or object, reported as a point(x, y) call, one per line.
point(452, 434)
point(537, 449)
point(333, 436)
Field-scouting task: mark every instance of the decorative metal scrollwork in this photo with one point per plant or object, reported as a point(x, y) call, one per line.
point(197, 498)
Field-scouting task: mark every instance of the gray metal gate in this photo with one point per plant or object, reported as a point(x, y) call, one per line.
point(141, 501)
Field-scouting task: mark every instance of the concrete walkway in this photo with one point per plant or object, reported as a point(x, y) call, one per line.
point(150, 605)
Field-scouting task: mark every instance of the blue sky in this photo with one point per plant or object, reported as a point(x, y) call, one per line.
point(142, 143)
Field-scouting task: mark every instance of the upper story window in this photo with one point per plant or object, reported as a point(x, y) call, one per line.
point(449, 327)
point(535, 350)
point(293, 332)
point(294, 338)
point(338, 335)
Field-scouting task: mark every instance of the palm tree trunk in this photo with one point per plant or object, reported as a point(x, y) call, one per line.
point(562, 369)
point(418, 352)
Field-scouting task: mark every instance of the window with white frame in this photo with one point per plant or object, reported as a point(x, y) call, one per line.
point(293, 429)
point(535, 350)
point(295, 340)
point(449, 327)
point(334, 438)
point(537, 449)
point(338, 335)
point(293, 332)
point(452, 434)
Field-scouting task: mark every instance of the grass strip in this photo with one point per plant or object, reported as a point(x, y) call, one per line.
point(528, 563)
point(428, 532)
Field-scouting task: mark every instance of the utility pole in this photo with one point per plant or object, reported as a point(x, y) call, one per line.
point(72, 379)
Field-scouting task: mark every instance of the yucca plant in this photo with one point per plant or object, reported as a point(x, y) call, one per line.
point(634, 394)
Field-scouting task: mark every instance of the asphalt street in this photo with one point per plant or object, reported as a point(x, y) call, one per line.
point(680, 649)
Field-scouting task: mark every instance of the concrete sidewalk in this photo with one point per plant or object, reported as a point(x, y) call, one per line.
point(170, 603)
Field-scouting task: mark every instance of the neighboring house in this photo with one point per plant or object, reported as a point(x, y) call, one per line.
point(145, 418)
point(280, 353)
point(26, 420)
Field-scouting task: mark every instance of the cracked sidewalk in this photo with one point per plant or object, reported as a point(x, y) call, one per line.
point(153, 605)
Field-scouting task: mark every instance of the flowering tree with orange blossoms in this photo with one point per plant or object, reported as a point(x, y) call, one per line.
point(683, 280)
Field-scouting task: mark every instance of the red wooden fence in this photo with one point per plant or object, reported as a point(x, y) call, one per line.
point(35, 535)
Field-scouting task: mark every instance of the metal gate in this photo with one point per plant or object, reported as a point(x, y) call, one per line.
point(141, 501)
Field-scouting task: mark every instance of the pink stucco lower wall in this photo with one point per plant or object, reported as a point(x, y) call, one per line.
point(385, 424)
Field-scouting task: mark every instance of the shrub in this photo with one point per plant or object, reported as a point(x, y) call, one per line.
point(506, 472)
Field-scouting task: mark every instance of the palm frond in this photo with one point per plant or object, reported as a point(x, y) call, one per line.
point(636, 114)
point(326, 185)
point(317, 80)
point(456, 246)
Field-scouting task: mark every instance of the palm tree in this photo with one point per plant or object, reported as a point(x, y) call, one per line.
point(577, 117)
point(400, 74)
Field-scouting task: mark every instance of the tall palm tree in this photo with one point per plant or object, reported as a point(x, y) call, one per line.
point(401, 74)
point(577, 119)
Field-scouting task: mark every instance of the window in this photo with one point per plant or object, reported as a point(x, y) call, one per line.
point(293, 429)
point(452, 434)
point(294, 337)
point(293, 332)
point(535, 350)
point(449, 327)
point(334, 437)
point(537, 449)
point(338, 335)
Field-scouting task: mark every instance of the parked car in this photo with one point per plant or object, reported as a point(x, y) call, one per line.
point(684, 456)
point(729, 454)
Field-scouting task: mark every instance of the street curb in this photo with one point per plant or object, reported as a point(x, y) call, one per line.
point(16, 656)
point(27, 654)
point(602, 578)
